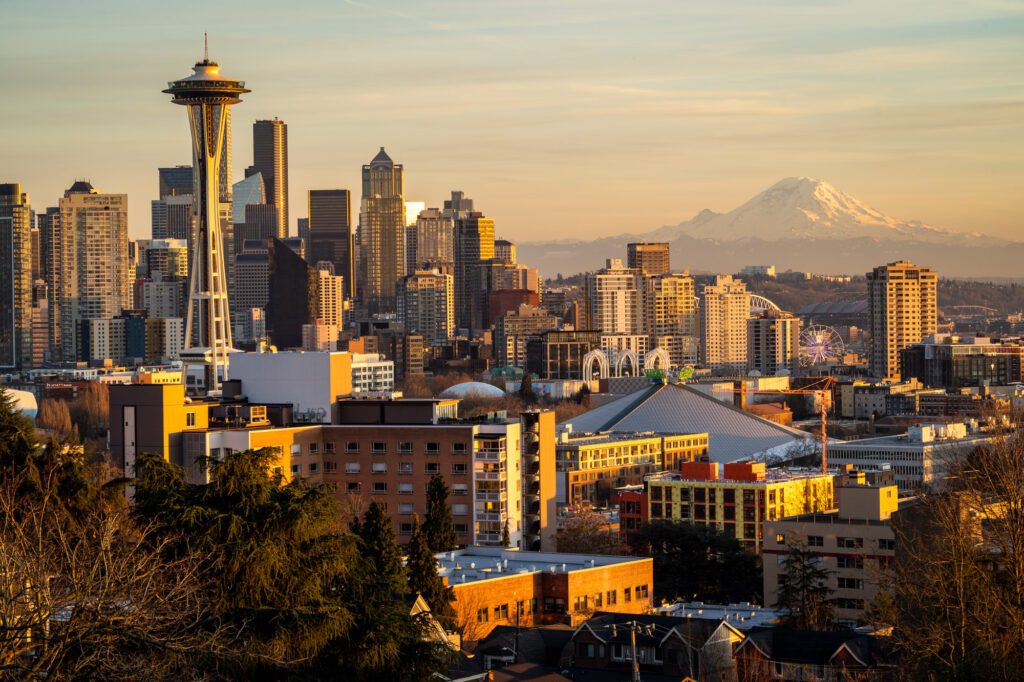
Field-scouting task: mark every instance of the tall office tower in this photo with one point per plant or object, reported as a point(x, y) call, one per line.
point(247, 192)
point(49, 264)
point(902, 310)
point(613, 300)
point(96, 279)
point(294, 297)
point(670, 305)
point(474, 244)
point(175, 181)
point(330, 232)
point(773, 343)
point(15, 278)
point(458, 206)
point(270, 158)
point(505, 251)
point(260, 223)
point(330, 295)
point(40, 323)
point(173, 217)
point(723, 317)
point(648, 259)
point(381, 235)
point(36, 246)
point(426, 306)
point(435, 238)
point(207, 95)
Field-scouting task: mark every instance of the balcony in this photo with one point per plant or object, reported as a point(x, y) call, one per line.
point(496, 517)
point(490, 475)
point(489, 455)
point(491, 497)
point(489, 538)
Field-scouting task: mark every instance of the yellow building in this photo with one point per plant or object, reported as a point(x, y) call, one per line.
point(742, 500)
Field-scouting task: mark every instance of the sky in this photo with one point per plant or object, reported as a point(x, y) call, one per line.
point(560, 118)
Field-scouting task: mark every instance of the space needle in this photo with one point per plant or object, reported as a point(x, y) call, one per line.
point(207, 94)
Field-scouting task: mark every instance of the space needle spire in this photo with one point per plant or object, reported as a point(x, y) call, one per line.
point(207, 94)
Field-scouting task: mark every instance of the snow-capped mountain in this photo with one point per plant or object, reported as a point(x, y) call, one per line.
point(801, 224)
point(809, 209)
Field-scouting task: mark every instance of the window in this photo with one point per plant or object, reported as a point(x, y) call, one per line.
point(850, 562)
point(729, 496)
point(379, 467)
point(330, 467)
point(656, 510)
point(433, 448)
point(295, 469)
point(329, 447)
point(780, 539)
point(641, 592)
point(460, 489)
point(850, 543)
point(405, 528)
point(352, 467)
point(312, 467)
point(460, 509)
point(887, 544)
point(379, 447)
point(380, 487)
point(656, 493)
point(481, 615)
point(612, 594)
point(554, 605)
point(580, 604)
point(501, 612)
point(598, 600)
point(459, 448)
point(461, 528)
point(190, 419)
point(353, 487)
point(850, 583)
point(845, 603)
point(432, 468)
point(406, 508)
point(405, 448)
point(458, 468)
point(587, 650)
point(815, 541)
point(296, 449)
point(351, 446)
point(405, 467)
point(627, 595)
point(314, 448)
point(405, 489)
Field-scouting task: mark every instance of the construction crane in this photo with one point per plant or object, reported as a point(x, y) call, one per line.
point(822, 388)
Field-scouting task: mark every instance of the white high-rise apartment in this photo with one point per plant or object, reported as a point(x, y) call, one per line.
point(331, 299)
point(96, 278)
point(613, 300)
point(670, 305)
point(724, 313)
point(773, 343)
point(902, 310)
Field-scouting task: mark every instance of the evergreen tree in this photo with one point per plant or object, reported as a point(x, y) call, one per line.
point(526, 393)
point(506, 541)
point(438, 526)
point(423, 577)
point(379, 548)
point(17, 435)
point(803, 589)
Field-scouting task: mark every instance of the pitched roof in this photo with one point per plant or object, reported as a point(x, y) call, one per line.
point(676, 408)
point(805, 646)
point(382, 157)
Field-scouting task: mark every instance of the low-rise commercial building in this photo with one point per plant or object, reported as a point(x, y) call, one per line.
point(495, 586)
point(919, 458)
point(742, 500)
point(948, 361)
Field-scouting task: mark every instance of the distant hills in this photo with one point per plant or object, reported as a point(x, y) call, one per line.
point(798, 224)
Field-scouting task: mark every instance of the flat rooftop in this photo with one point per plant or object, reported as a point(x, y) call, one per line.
point(770, 476)
point(904, 441)
point(474, 564)
point(578, 439)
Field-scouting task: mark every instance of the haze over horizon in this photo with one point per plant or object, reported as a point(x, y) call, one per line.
point(545, 113)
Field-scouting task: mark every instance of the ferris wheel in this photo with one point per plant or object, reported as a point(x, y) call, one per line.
point(819, 344)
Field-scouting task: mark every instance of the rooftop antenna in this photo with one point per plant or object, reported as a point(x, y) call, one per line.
point(206, 47)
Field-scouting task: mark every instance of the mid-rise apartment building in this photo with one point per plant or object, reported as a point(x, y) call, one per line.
point(613, 300)
point(514, 329)
point(855, 544)
point(773, 343)
point(741, 501)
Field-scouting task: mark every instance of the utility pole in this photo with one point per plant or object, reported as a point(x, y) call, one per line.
point(632, 644)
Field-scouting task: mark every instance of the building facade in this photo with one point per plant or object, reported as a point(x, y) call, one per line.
point(270, 159)
point(381, 235)
point(773, 343)
point(426, 305)
point(614, 300)
point(649, 258)
point(15, 278)
point(724, 312)
point(474, 245)
point(902, 310)
point(330, 233)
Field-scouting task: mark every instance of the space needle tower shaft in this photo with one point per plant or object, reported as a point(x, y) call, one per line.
point(207, 94)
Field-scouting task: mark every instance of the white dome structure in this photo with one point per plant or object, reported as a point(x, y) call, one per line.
point(24, 402)
point(473, 389)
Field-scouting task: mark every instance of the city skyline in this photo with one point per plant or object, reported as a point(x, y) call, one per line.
point(909, 114)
